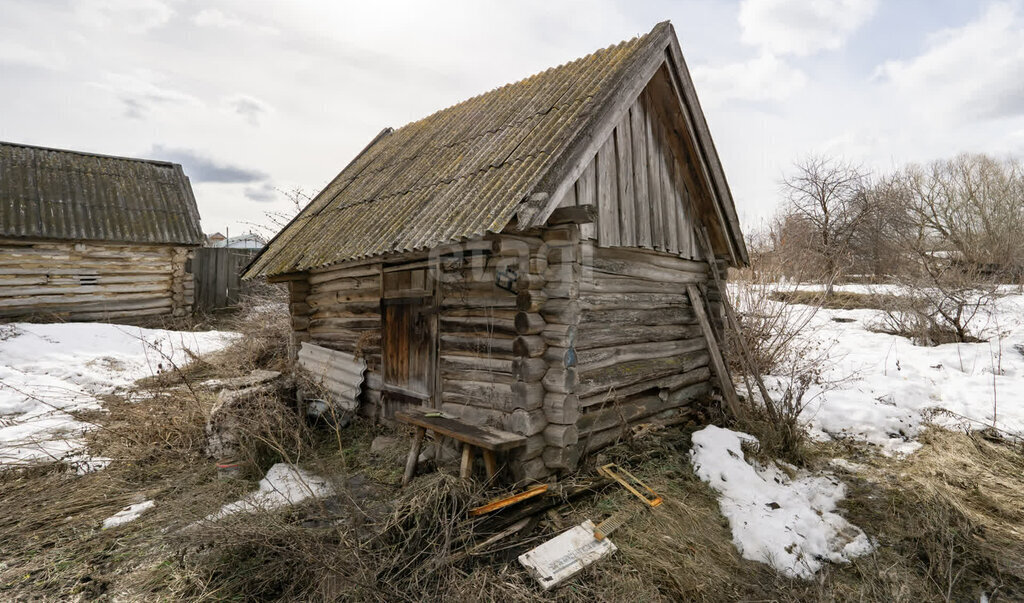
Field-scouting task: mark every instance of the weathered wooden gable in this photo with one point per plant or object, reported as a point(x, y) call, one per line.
point(644, 179)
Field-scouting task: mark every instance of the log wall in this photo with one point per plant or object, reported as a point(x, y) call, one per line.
point(93, 281)
point(623, 344)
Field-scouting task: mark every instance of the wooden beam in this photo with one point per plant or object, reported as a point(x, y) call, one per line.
point(717, 361)
point(577, 214)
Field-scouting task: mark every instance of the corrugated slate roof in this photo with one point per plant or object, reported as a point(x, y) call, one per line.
point(68, 195)
point(458, 173)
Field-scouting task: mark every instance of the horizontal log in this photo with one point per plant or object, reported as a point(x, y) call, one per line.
point(625, 374)
point(522, 422)
point(563, 409)
point(477, 375)
point(497, 301)
point(74, 289)
point(627, 301)
point(531, 300)
point(560, 380)
point(559, 357)
point(322, 275)
point(529, 370)
point(365, 284)
point(559, 335)
point(561, 458)
point(528, 323)
point(597, 358)
point(629, 411)
point(532, 448)
point(118, 314)
point(58, 301)
point(569, 233)
point(562, 288)
point(360, 322)
point(598, 282)
point(483, 346)
point(476, 363)
point(590, 335)
point(530, 346)
point(561, 436)
point(502, 314)
point(676, 315)
point(561, 311)
point(695, 373)
point(651, 258)
point(480, 394)
point(478, 325)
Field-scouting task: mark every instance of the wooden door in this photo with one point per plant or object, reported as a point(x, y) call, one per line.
point(409, 342)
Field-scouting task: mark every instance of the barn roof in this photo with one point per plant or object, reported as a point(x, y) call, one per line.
point(68, 195)
point(467, 170)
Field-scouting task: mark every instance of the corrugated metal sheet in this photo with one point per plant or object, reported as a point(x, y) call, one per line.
point(67, 195)
point(458, 173)
point(338, 373)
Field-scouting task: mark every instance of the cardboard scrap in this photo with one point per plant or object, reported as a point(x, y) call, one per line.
point(561, 557)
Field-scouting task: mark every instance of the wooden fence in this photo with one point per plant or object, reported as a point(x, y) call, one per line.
point(218, 275)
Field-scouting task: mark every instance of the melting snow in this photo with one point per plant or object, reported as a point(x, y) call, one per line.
point(129, 513)
point(283, 485)
point(50, 371)
point(788, 523)
point(893, 387)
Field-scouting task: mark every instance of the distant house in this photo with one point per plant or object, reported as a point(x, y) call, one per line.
point(534, 259)
point(245, 241)
point(93, 237)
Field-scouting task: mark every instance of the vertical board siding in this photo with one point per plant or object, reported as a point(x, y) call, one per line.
point(607, 195)
point(218, 276)
point(640, 185)
point(643, 202)
point(625, 167)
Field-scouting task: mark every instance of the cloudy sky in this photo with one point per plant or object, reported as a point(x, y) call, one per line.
point(255, 98)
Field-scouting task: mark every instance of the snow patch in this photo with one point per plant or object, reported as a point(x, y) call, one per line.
point(788, 523)
point(129, 513)
point(48, 372)
point(897, 387)
point(283, 485)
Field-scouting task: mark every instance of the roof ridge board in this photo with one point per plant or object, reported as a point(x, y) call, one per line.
point(84, 153)
point(566, 161)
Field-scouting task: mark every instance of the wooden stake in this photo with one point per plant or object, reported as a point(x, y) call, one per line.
point(414, 455)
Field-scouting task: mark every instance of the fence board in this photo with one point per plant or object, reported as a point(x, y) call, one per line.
point(218, 276)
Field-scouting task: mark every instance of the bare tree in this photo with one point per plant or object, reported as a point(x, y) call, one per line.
point(827, 196)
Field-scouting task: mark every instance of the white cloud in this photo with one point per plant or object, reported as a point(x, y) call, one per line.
point(14, 52)
point(140, 93)
point(248, 107)
point(975, 71)
point(215, 18)
point(765, 78)
point(802, 27)
point(130, 15)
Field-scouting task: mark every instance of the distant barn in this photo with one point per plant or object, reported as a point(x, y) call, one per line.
point(534, 259)
point(93, 237)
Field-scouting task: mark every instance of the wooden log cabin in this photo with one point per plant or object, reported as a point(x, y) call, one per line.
point(93, 237)
point(521, 260)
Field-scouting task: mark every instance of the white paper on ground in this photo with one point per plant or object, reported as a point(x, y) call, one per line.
point(561, 557)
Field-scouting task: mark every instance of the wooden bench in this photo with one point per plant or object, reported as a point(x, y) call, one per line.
point(487, 439)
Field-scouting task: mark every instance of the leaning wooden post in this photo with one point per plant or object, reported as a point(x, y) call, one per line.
point(745, 356)
point(717, 362)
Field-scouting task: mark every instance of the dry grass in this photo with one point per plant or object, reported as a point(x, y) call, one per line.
point(838, 300)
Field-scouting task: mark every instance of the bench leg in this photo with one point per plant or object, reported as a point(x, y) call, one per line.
point(491, 464)
point(414, 455)
point(466, 470)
